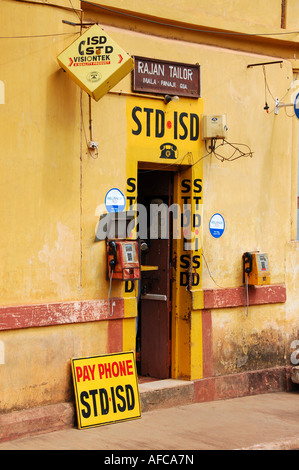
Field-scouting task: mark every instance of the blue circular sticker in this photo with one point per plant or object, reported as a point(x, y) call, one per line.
point(296, 106)
point(217, 225)
point(115, 201)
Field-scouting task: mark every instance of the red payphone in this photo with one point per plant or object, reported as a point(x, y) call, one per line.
point(123, 260)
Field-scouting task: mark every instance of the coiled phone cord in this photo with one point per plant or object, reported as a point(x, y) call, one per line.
point(110, 300)
point(246, 303)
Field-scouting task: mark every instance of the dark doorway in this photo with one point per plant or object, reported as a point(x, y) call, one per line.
point(154, 306)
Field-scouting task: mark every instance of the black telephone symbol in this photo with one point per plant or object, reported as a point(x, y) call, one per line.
point(168, 150)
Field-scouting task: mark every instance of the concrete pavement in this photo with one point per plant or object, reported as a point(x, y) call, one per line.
point(260, 422)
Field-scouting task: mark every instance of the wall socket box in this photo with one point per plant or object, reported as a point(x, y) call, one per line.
point(213, 126)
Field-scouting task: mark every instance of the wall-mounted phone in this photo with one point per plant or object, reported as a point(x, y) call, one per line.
point(256, 271)
point(168, 151)
point(123, 260)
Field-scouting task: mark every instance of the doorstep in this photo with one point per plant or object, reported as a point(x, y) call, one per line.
point(165, 393)
point(142, 379)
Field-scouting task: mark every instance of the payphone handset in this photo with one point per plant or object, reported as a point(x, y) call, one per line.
point(256, 271)
point(123, 260)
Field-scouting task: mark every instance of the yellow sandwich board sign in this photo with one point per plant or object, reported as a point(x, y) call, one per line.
point(106, 389)
point(95, 62)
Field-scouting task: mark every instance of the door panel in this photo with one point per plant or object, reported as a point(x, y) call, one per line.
point(155, 303)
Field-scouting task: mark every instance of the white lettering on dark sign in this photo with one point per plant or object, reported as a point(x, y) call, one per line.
point(163, 77)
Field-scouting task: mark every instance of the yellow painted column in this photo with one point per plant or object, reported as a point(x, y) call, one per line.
point(130, 288)
point(187, 318)
point(130, 315)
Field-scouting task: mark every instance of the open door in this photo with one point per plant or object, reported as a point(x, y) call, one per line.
point(154, 310)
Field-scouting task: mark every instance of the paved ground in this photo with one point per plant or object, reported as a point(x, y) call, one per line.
point(266, 422)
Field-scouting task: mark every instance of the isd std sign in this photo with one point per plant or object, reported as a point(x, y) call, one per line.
point(106, 389)
point(95, 62)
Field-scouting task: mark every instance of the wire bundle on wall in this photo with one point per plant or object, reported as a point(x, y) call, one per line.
point(235, 149)
point(267, 88)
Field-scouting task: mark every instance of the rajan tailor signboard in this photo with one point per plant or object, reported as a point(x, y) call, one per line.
point(95, 62)
point(164, 77)
point(106, 389)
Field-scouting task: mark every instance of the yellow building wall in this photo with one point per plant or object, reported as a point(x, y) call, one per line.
point(229, 15)
point(53, 188)
point(40, 160)
point(238, 16)
point(36, 369)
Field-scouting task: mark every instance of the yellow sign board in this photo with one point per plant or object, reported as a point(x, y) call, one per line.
point(106, 389)
point(95, 62)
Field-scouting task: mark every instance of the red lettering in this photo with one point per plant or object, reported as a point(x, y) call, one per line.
point(122, 368)
point(101, 370)
point(79, 373)
point(85, 373)
point(115, 369)
point(129, 367)
point(107, 370)
point(91, 369)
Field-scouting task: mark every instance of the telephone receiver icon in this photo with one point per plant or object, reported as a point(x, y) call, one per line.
point(247, 258)
point(168, 150)
point(113, 252)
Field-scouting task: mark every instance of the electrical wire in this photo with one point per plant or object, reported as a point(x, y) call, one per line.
point(162, 23)
point(169, 165)
point(77, 13)
point(266, 83)
point(289, 115)
point(293, 81)
point(240, 154)
point(271, 94)
point(201, 158)
point(45, 35)
point(211, 152)
point(207, 265)
point(267, 88)
point(37, 36)
point(236, 151)
point(209, 271)
point(96, 155)
point(285, 109)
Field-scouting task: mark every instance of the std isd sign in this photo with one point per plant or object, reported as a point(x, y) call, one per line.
point(95, 62)
point(106, 389)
